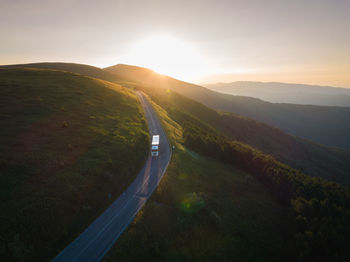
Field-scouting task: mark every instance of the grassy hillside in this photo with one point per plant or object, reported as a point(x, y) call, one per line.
point(69, 145)
point(325, 125)
point(313, 159)
point(204, 210)
point(321, 209)
point(81, 69)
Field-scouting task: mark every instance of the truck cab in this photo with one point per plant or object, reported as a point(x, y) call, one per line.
point(155, 145)
point(154, 151)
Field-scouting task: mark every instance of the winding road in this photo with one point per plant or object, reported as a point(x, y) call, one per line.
point(101, 235)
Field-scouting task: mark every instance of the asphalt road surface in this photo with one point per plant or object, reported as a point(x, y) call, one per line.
point(101, 235)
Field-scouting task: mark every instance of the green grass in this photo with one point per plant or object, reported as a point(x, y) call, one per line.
point(81, 69)
point(173, 130)
point(204, 210)
point(321, 209)
point(313, 159)
point(321, 124)
point(66, 143)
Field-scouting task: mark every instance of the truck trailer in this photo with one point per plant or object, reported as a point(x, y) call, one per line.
point(155, 145)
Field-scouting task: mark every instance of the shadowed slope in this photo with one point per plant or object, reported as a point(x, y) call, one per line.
point(69, 145)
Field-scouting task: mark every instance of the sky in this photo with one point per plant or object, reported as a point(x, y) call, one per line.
point(200, 41)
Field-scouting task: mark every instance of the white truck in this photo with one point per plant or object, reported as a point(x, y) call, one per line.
point(155, 145)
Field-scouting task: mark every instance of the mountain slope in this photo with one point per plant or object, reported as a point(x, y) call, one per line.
point(206, 211)
point(81, 69)
point(325, 125)
point(69, 145)
point(286, 93)
point(203, 210)
point(313, 159)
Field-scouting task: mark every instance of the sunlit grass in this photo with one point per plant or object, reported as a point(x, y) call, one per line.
point(203, 210)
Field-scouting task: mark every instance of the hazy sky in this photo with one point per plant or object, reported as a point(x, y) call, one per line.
point(291, 41)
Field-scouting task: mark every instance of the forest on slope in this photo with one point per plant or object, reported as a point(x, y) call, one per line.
point(193, 203)
point(312, 159)
point(316, 211)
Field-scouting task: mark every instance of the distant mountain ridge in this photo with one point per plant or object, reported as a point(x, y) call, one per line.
point(276, 92)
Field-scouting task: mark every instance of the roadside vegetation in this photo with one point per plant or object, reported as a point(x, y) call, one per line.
point(69, 145)
point(320, 124)
point(204, 210)
point(235, 190)
point(313, 159)
point(318, 210)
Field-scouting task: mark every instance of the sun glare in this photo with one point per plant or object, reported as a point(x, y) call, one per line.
point(168, 55)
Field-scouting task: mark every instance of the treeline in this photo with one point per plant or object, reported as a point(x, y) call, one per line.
point(321, 209)
point(329, 163)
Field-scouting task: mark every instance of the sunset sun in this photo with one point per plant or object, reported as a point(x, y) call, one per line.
point(168, 55)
